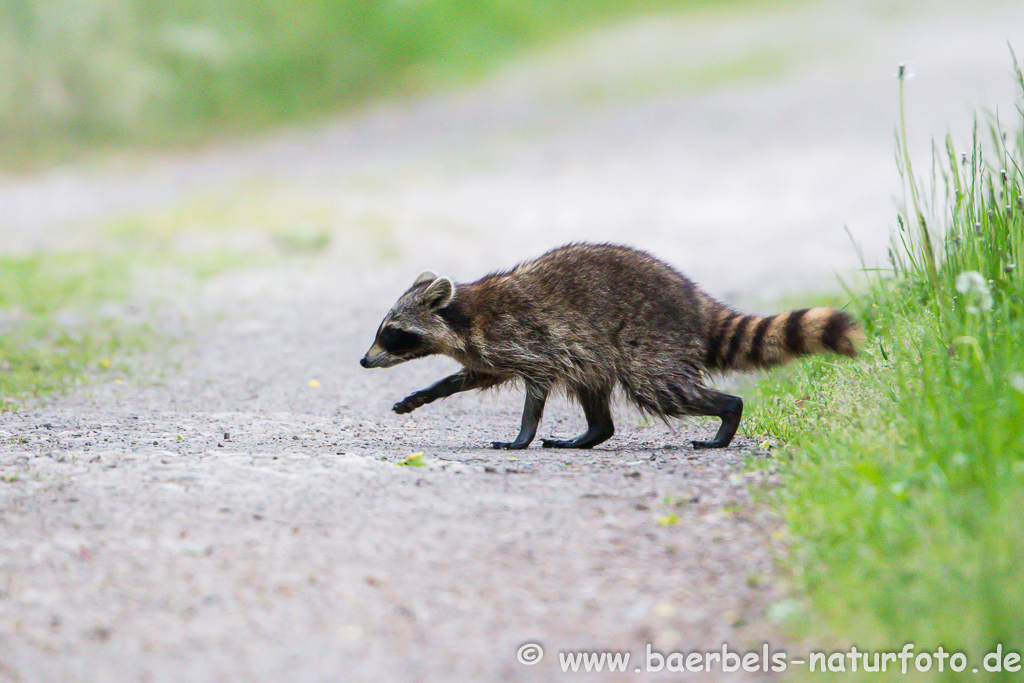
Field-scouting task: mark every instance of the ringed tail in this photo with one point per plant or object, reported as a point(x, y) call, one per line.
point(743, 342)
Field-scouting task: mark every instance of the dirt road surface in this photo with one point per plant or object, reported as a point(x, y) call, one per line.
point(233, 510)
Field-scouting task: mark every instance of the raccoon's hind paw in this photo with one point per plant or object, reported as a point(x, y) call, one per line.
point(590, 438)
point(699, 445)
point(510, 445)
point(561, 443)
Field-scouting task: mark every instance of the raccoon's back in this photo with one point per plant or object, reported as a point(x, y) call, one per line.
point(593, 313)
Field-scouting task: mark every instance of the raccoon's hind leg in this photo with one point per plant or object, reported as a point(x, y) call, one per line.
point(463, 380)
point(699, 400)
point(536, 395)
point(599, 422)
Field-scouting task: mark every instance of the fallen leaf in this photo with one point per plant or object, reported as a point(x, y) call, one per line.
point(414, 460)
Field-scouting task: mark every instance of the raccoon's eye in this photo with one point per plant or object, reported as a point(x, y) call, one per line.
point(399, 341)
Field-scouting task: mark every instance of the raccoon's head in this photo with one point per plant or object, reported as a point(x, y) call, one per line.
point(413, 328)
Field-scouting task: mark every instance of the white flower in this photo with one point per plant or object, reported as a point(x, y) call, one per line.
point(970, 281)
point(973, 286)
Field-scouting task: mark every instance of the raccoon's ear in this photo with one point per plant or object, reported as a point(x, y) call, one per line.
point(425, 276)
point(438, 293)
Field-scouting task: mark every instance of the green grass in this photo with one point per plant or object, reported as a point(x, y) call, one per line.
point(43, 284)
point(904, 471)
point(87, 74)
point(50, 333)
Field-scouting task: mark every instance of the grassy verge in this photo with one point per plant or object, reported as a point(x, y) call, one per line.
point(51, 334)
point(904, 473)
point(81, 75)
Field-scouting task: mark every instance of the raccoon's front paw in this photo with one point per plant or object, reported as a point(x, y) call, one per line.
point(408, 404)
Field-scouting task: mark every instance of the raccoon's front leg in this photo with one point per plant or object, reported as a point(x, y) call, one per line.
point(533, 409)
point(463, 380)
point(599, 423)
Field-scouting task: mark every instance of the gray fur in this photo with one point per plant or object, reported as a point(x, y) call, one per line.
point(426, 276)
point(587, 318)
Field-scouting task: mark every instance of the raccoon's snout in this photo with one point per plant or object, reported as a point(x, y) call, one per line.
point(377, 357)
point(378, 361)
point(373, 358)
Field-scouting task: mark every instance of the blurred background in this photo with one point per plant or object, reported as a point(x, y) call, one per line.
point(87, 74)
point(746, 142)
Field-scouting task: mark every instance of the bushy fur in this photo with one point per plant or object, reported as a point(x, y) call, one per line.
point(587, 318)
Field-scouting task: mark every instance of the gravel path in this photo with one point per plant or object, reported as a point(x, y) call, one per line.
point(231, 522)
point(234, 510)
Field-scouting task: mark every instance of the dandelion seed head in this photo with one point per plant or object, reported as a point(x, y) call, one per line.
point(975, 289)
point(970, 280)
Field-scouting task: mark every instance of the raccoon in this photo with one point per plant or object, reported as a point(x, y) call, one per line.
point(585, 319)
